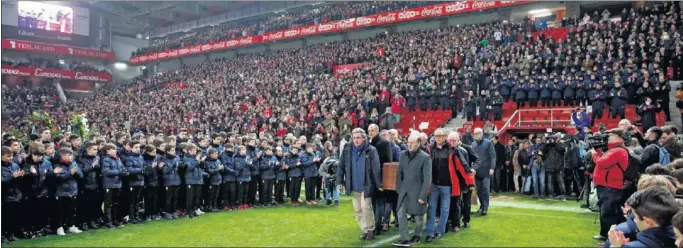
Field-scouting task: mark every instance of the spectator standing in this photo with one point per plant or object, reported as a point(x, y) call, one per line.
point(486, 152)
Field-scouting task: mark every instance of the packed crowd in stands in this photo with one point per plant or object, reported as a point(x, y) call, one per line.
point(19, 102)
point(261, 102)
point(54, 63)
point(295, 18)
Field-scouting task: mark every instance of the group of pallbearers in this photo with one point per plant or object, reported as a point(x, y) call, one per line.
point(427, 177)
point(65, 185)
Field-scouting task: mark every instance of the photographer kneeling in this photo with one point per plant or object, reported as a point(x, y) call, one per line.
point(608, 177)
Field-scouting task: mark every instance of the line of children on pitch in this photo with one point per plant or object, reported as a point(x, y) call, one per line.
point(108, 186)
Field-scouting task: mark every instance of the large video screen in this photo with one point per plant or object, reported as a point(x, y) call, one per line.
point(45, 16)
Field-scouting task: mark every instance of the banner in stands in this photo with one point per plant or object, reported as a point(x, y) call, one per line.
point(446, 9)
point(347, 68)
point(55, 73)
point(30, 46)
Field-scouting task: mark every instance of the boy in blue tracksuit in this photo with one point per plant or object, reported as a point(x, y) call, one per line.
point(66, 173)
point(90, 206)
point(136, 180)
point(267, 167)
point(34, 188)
point(213, 167)
point(294, 172)
point(653, 209)
point(112, 173)
point(194, 178)
point(280, 176)
point(216, 141)
point(169, 169)
point(253, 156)
point(11, 196)
point(243, 178)
point(150, 170)
point(310, 172)
point(229, 187)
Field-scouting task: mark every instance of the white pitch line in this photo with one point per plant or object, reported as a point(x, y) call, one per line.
point(512, 205)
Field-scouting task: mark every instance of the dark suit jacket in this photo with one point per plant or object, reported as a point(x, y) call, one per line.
point(383, 150)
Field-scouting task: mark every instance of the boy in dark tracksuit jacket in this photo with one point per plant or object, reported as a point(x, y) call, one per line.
point(11, 196)
point(194, 177)
point(280, 176)
point(34, 188)
point(136, 180)
point(90, 207)
point(150, 170)
point(293, 166)
point(310, 172)
point(230, 174)
point(255, 185)
point(112, 173)
point(66, 173)
point(169, 169)
point(244, 177)
point(213, 167)
point(216, 141)
point(267, 167)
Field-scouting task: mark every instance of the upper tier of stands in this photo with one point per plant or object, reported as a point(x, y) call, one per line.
point(260, 92)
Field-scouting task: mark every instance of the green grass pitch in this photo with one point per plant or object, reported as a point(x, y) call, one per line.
point(512, 222)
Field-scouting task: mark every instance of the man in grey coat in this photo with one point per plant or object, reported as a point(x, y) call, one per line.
point(359, 173)
point(412, 184)
point(487, 156)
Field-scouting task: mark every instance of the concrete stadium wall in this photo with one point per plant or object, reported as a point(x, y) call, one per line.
point(366, 33)
point(122, 75)
point(472, 18)
point(298, 43)
point(194, 60)
point(417, 25)
point(253, 49)
point(324, 39)
point(124, 47)
point(223, 54)
point(168, 65)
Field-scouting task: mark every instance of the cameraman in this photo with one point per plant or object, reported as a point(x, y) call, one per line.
point(554, 158)
point(609, 179)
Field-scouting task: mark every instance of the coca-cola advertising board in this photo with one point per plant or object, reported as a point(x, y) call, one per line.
point(30, 46)
point(445, 9)
point(347, 68)
point(54, 73)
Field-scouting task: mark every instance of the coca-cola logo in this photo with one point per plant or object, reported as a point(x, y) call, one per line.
point(245, 41)
point(80, 76)
point(195, 49)
point(143, 58)
point(163, 55)
point(346, 23)
point(219, 45)
point(291, 32)
point(206, 47)
point(39, 73)
point(153, 56)
point(456, 7)
point(275, 36)
point(407, 14)
point(362, 21)
point(232, 43)
point(10, 71)
point(483, 4)
point(173, 53)
point(309, 30)
point(344, 70)
point(436, 11)
point(326, 26)
point(386, 18)
point(183, 51)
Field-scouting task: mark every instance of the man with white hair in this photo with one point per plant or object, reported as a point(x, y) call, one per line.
point(461, 204)
point(359, 173)
point(381, 206)
point(412, 184)
point(397, 140)
point(487, 156)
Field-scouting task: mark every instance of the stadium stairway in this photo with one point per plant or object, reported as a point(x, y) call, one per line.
point(412, 120)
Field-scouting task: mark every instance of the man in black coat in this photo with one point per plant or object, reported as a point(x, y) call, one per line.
point(499, 182)
point(381, 206)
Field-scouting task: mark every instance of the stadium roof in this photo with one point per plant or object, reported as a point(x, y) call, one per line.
point(142, 17)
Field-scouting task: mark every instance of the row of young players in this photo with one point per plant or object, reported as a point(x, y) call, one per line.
point(68, 191)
